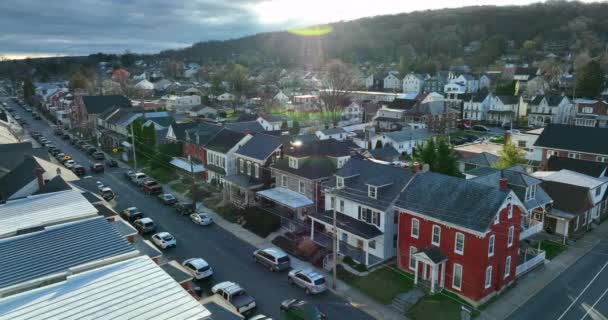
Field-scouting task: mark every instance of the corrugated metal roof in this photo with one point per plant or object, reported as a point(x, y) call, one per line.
point(133, 289)
point(56, 249)
point(43, 210)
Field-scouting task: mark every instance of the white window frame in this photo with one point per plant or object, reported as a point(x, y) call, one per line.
point(284, 181)
point(497, 218)
point(241, 165)
point(341, 203)
point(339, 182)
point(573, 155)
point(293, 162)
point(436, 227)
point(511, 236)
point(461, 269)
point(248, 168)
point(332, 203)
point(491, 244)
point(372, 192)
point(257, 170)
point(301, 186)
point(461, 251)
point(488, 279)
point(417, 233)
point(601, 159)
point(413, 251)
point(508, 267)
point(510, 212)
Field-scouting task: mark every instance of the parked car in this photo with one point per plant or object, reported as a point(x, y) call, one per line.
point(36, 116)
point(139, 178)
point(131, 214)
point(69, 163)
point(152, 187)
point(22, 122)
point(202, 219)
point(111, 163)
point(184, 207)
point(471, 137)
point(65, 158)
point(145, 225)
point(98, 155)
point(311, 281)
point(66, 137)
point(236, 296)
point(129, 175)
point(28, 109)
point(300, 310)
point(481, 128)
point(97, 168)
point(57, 131)
point(274, 259)
point(164, 240)
point(81, 144)
point(91, 150)
point(74, 141)
point(54, 151)
point(198, 268)
point(167, 199)
point(106, 193)
point(79, 170)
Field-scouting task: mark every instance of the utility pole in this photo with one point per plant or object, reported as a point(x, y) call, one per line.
point(335, 249)
point(133, 148)
point(192, 186)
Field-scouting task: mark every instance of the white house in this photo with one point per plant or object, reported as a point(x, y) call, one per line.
point(351, 114)
point(547, 109)
point(333, 133)
point(181, 103)
point(413, 82)
point(391, 82)
point(273, 122)
point(405, 142)
point(504, 109)
point(144, 85)
point(462, 83)
point(281, 97)
point(221, 158)
point(476, 107)
point(525, 140)
point(484, 82)
point(202, 110)
point(226, 97)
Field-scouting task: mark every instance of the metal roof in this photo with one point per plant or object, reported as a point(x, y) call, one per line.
point(57, 249)
point(133, 289)
point(44, 210)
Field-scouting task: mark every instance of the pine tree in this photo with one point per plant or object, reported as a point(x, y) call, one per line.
point(295, 128)
point(446, 161)
point(589, 80)
point(509, 156)
point(428, 154)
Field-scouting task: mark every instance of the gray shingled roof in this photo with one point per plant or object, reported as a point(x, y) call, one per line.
point(332, 131)
point(260, 147)
point(312, 168)
point(409, 135)
point(574, 138)
point(57, 249)
point(348, 223)
point(18, 177)
point(247, 126)
point(14, 153)
point(99, 104)
point(483, 159)
point(224, 140)
point(454, 200)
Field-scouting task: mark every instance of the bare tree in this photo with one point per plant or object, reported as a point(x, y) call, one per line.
point(337, 83)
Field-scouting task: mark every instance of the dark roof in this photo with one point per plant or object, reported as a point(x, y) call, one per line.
point(179, 129)
point(161, 121)
point(567, 197)
point(99, 104)
point(359, 173)
point(537, 100)
point(574, 138)
point(248, 126)
point(218, 312)
point(260, 147)
point(215, 168)
point(434, 254)
point(19, 177)
point(508, 99)
point(202, 133)
point(14, 153)
point(403, 104)
point(349, 224)
point(526, 71)
point(590, 168)
point(224, 140)
point(54, 185)
point(483, 159)
point(327, 147)
point(245, 181)
point(482, 171)
point(48, 252)
point(454, 200)
point(554, 100)
point(312, 168)
point(384, 153)
point(91, 197)
point(177, 274)
point(104, 210)
point(246, 117)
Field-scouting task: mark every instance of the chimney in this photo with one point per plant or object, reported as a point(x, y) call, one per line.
point(503, 183)
point(39, 171)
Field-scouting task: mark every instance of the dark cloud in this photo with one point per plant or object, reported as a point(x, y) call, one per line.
point(87, 26)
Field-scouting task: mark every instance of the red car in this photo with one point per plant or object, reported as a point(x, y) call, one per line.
point(152, 187)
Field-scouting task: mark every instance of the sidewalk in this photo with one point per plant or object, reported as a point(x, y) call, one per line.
point(536, 280)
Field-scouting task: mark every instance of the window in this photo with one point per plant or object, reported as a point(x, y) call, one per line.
point(293, 162)
point(497, 218)
point(339, 182)
point(510, 212)
point(415, 228)
point(601, 159)
point(510, 239)
point(598, 191)
point(413, 251)
point(371, 192)
point(257, 170)
point(459, 243)
point(376, 218)
point(488, 277)
point(396, 217)
point(508, 266)
point(372, 244)
point(436, 235)
point(241, 166)
point(457, 277)
point(572, 155)
point(587, 110)
point(301, 187)
point(530, 192)
point(395, 239)
point(284, 181)
point(521, 143)
point(332, 203)
point(491, 245)
point(248, 168)
point(341, 206)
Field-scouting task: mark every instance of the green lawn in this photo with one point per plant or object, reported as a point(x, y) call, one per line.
point(180, 187)
point(552, 249)
point(161, 174)
point(440, 306)
point(381, 285)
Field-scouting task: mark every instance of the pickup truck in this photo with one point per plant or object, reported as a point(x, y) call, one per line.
point(152, 187)
point(236, 296)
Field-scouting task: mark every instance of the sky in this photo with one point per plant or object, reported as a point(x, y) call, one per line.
point(38, 28)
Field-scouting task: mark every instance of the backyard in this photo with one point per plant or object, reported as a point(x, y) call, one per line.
point(383, 284)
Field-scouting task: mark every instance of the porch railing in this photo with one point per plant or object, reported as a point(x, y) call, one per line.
point(533, 227)
point(530, 263)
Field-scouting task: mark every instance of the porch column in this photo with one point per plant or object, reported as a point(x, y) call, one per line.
point(312, 229)
point(415, 270)
point(366, 258)
point(442, 275)
point(433, 270)
point(424, 271)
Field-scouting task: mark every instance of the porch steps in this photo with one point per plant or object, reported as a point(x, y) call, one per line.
point(404, 301)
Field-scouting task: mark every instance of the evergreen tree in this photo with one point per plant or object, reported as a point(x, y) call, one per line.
point(446, 162)
point(284, 126)
point(509, 156)
point(589, 80)
point(295, 128)
point(428, 154)
point(28, 91)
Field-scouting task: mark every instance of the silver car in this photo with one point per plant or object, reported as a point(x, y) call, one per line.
point(273, 258)
point(311, 281)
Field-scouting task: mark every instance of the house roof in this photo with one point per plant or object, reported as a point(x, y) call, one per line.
point(332, 131)
point(574, 138)
point(133, 289)
point(567, 197)
point(434, 253)
point(554, 100)
point(224, 140)
point(312, 168)
point(384, 153)
point(454, 200)
point(537, 100)
point(13, 154)
point(348, 224)
point(574, 178)
point(202, 133)
point(246, 126)
point(590, 168)
point(327, 147)
point(286, 197)
point(19, 177)
point(360, 173)
point(483, 159)
point(507, 99)
point(260, 147)
point(409, 135)
point(43, 210)
point(161, 121)
point(98, 104)
point(179, 129)
point(402, 104)
point(56, 249)
point(54, 185)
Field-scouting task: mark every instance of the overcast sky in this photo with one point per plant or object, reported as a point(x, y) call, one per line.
point(80, 27)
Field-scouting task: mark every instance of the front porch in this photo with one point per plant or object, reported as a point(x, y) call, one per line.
point(289, 203)
point(528, 258)
point(240, 190)
point(432, 273)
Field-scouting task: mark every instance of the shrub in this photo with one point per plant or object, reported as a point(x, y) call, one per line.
point(348, 260)
point(361, 267)
point(187, 180)
point(229, 213)
point(261, 222)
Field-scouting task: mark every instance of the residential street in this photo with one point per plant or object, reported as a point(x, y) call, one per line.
point(229, 256)
point(578, 293)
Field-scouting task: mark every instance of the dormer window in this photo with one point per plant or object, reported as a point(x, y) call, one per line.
point(339, 182)
point(293, 162)
point(372, 191)
point(530, 192)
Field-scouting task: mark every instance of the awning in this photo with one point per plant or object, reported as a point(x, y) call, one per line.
point(555, 213)
point(244, 181)
point(347, 223)
point(286, 197)
point(184, 164)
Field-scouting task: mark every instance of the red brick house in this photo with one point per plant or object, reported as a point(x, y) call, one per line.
point(459, 235)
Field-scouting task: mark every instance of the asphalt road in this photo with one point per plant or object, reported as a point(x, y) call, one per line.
point(230, 257)
point(580, 292)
